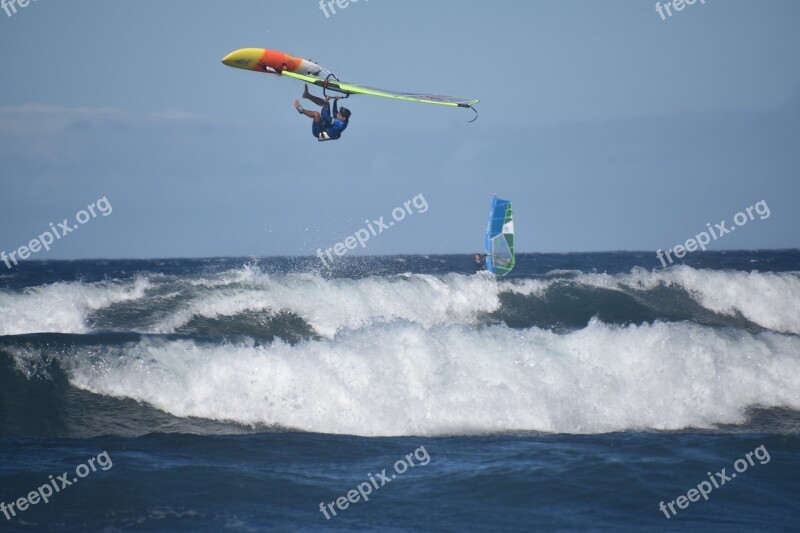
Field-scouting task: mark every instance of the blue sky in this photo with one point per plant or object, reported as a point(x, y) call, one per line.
point(608, 127)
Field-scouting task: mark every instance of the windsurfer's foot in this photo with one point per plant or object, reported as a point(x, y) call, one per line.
point(297, 106)
point(306, 94)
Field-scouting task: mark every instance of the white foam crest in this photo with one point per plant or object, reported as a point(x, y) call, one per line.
point(769, 299)
point(62, 307)
point(247, 275)
point(531, 287)
point(330, 305)
point(403, 379)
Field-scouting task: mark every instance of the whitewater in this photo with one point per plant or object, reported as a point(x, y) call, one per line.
point(564, 351)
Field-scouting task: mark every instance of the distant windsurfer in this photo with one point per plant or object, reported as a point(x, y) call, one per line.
point(479, 262)
point(326, 126)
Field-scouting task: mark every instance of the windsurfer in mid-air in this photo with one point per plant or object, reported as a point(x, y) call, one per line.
point(326, 126)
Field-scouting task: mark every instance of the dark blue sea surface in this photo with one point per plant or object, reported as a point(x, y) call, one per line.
point(584, 392)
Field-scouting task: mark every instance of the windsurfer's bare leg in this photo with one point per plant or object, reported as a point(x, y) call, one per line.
point(316, 99)
point(310, 114)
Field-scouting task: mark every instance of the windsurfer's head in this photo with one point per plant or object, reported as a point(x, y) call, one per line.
point(345, 113)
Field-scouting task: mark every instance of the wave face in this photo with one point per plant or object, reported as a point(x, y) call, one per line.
point(435, 351)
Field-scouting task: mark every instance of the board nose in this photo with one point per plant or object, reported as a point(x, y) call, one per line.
point(245, 58)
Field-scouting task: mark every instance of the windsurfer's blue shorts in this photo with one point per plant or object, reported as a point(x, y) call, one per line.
point(324, 123)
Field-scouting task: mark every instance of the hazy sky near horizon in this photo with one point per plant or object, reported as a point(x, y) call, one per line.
point(606, 126)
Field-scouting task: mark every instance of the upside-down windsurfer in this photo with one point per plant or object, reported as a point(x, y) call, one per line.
point(326, 126)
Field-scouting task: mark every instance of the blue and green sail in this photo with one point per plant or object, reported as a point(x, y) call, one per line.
point(500, 258)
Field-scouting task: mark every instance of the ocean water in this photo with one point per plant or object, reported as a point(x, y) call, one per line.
point(585, 392)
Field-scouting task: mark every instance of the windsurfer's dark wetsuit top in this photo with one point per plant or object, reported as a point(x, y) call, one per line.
point(329, 124)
